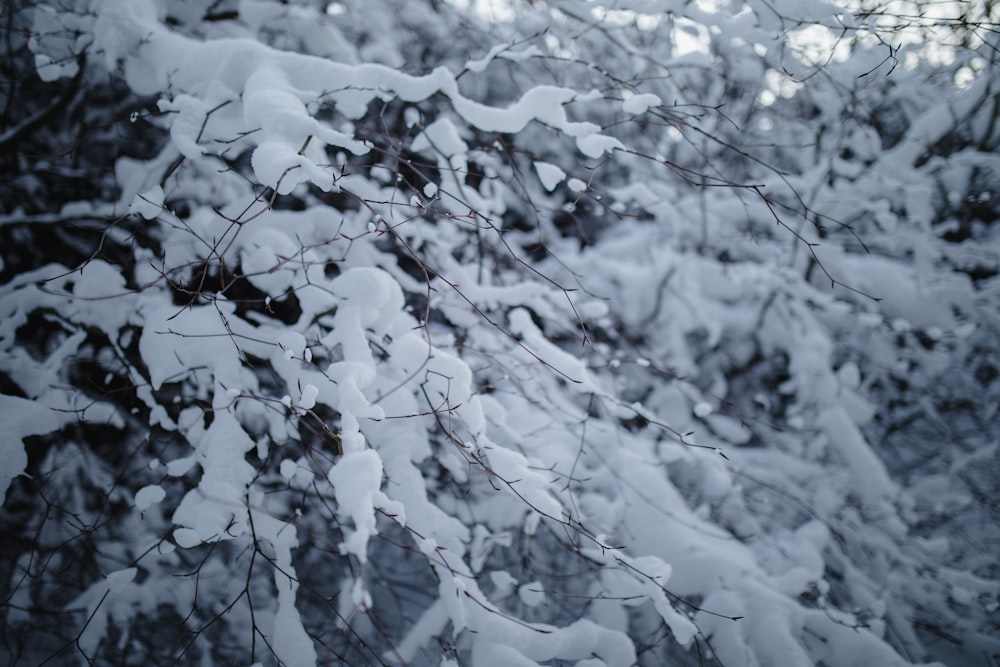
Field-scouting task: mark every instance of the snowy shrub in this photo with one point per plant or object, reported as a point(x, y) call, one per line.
point(439, 333)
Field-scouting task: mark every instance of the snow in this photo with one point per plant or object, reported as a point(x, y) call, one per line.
point(148, 204)
point(638, 104)
point(280, 166)
point(217, 506)
point(502, 51)
point(729, 429)
point(189, 113)
point(268, 258)
point(442, 136)
point(595, 145)
point(902, 290)
point(308, 398)
point(870, 480)
point(179, 467)
point(187, 538)
point(666, 398)
point(117, 581)
point(549, 174)
point(501, 642)
point(356, 479)
point(292, 644)
point(148, 496)
point(562, 362)
point(514, 469)
point(532, 594)
point(503, 582)
point(22, 418)
point(543, 103)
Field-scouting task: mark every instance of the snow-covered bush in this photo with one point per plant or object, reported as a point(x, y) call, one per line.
point(595, 333)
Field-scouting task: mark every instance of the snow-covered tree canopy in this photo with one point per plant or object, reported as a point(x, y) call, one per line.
point(451, 332)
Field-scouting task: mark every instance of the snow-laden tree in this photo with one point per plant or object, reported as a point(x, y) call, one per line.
point(426, 332)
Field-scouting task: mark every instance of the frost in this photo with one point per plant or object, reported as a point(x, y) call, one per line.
point(282, 168)
point(543, 103)
point(370, 293)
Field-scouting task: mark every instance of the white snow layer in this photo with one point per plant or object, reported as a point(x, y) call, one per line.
point(22, 418)
point(549, 174)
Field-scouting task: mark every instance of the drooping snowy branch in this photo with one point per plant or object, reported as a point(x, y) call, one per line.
point(423, 340)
